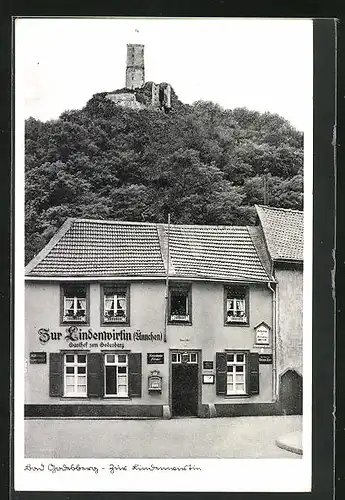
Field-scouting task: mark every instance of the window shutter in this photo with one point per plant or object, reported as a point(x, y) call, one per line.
point(55, 374)
point(134, 370)
point(95, 375)
point(253, 373)
point(221, 373)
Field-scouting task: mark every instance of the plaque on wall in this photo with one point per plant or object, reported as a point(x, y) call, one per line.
point(262, 334)
point(265, 359)
point(207, 379)
point(207, 365)
point(155, 358)
point(37, 358)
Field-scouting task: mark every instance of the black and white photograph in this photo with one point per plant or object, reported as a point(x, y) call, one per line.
point(163, 280)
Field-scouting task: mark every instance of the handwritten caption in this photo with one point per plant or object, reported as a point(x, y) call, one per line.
point(110, 469)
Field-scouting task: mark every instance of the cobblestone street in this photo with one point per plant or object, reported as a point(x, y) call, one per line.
point(239, 437)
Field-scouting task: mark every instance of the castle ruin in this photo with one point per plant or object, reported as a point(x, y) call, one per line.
point(160, 98)
point(135, 70)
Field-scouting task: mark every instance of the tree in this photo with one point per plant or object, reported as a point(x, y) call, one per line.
point(200, 163)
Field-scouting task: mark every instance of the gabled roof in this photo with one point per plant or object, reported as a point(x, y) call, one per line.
point(85, 247)
point(283, 231)
point(94, 248)
point(215, 252)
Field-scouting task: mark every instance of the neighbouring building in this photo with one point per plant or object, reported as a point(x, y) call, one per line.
point(142, 319)
point(282, 230)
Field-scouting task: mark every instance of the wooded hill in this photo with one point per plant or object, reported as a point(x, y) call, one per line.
point(201, 163)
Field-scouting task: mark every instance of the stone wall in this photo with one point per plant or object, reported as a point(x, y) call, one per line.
point(127, 100)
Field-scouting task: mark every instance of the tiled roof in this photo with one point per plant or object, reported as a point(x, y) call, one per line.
point(283, 230)
point(92, 248)
point(215, 252)
point(99, 248)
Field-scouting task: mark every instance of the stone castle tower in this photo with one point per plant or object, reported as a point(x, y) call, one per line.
point(135, 70)
point(161, 93)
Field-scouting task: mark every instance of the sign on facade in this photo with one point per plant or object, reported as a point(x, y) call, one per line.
point(208, 379)
point(265, 359)
point(262, 334)
point(38, 358)
point(155, 358)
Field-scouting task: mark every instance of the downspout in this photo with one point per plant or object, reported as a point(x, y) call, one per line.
point(274, 341)
point(166, 309)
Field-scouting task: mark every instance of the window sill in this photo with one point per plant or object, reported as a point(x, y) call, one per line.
point(119, 398)
point(114, 323)
point(236, 396)
point(237, 323)
point(181, 323)
point(74, 323)
point(74, 397)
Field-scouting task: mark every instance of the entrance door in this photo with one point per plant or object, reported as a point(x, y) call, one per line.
point(291, 393)
point(184, 384)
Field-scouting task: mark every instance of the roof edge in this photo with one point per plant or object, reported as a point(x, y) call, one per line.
point(163, 239)
point(219, 226)
point(260, 211)
point(117, 222)
point(154, 224)
point(268, 207)
point(92, 279)
point(258, 256)
point(50, 245)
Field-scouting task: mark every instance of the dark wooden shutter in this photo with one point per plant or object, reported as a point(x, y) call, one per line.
point(95, 375)
point(221, 373)
point(253, 373)
point(134, 371)
point(55, 374)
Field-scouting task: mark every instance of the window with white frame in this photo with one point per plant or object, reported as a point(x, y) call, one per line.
point(75, 375)
point(236, 373)
point(184, 357)
point(236, 305)
point(115, 304)
point(116, 374)
point(180, 303)
point(74, 304)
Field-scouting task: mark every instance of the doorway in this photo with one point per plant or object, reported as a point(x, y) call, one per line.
point(291, 393)
point(184, 383)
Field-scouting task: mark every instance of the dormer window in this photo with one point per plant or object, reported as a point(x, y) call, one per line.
point(74, 303)
point(236, 305)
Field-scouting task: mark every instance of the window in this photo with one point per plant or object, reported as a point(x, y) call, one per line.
point(185, 357)
point(115, 304)
point(180, 304)
point(95, 375)
point(75, 375)
point(74, 303)
point(236, 373)
point(236, 305)
point(116, 375)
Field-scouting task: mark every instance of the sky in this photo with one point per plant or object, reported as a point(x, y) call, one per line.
point(260, 64)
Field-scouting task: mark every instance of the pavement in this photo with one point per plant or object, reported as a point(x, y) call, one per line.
point(291, 442)
point(236, 437)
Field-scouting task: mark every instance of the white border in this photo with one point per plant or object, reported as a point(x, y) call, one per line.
point(221, 475)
